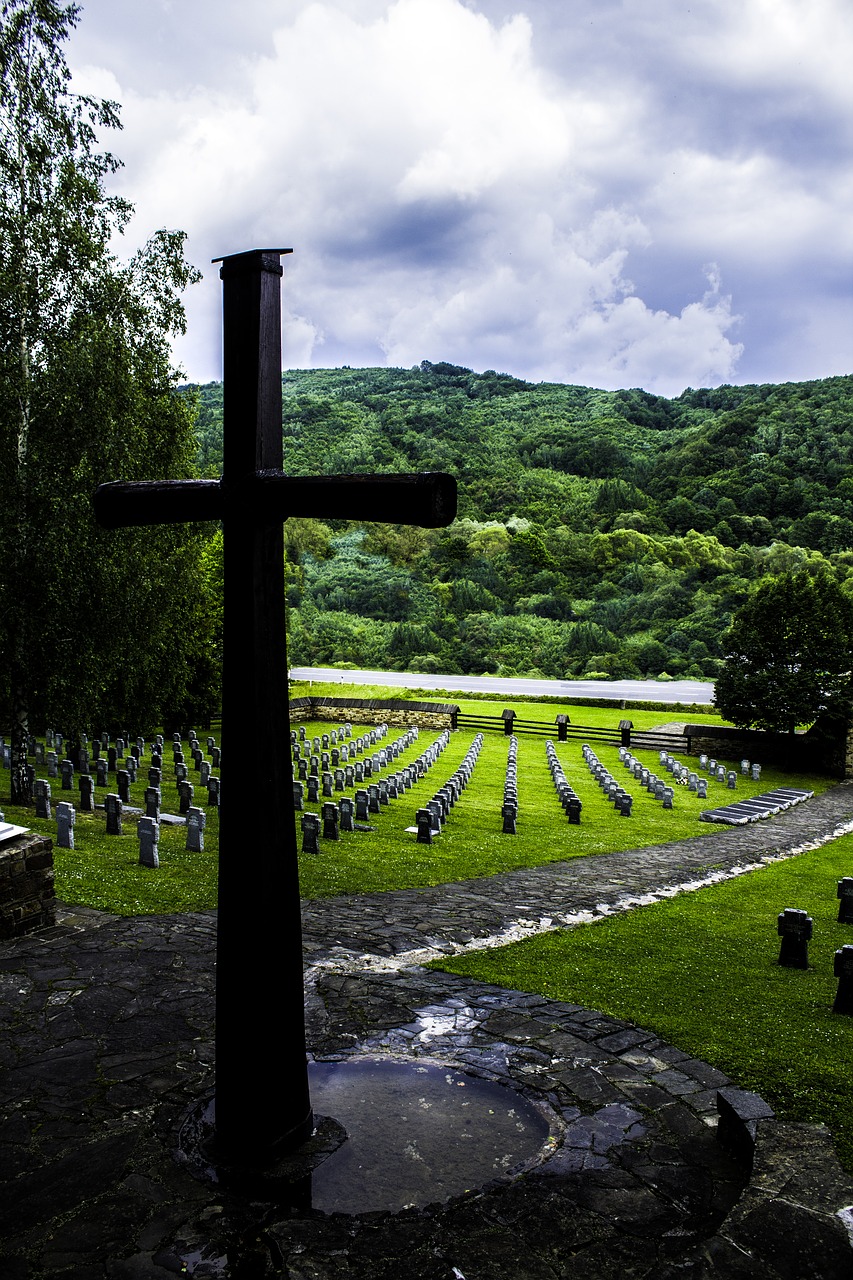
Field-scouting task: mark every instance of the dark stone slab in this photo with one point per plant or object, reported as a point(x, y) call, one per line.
point(756, 807)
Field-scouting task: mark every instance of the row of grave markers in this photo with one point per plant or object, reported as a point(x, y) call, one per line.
point(566, 794)
point(795, 927)
point(432, 817)
point(655, 786)
point(621, 798)
point(509, 808)
point(349, 812)
point(47, 753)
point(148, 825)
point(147, 829)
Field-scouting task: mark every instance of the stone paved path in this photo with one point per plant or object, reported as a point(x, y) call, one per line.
point(106, 1038)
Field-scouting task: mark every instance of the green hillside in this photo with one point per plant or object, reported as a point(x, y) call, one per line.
point(598, 531)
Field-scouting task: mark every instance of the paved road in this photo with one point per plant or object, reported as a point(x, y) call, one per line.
point(630, 690)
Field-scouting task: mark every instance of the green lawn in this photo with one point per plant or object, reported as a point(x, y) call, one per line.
point(103, 871)
point(701, 970)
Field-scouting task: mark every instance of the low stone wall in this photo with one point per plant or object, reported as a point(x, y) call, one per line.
point(391, 711)
point(806, 752)
point(27, 900)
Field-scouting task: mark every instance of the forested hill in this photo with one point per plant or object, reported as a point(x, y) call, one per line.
point(597, 531)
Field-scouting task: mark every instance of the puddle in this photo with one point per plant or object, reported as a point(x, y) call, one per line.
point(417, 1133)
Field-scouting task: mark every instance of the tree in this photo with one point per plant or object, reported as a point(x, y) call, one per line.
point(88, 620)
point(789, 653)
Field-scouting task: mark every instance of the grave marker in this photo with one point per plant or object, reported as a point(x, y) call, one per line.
point(795, 928)
point(196, 821)
point(42, 798)
point(148, 831)
point(112, 804)
point(845, 900)
point(843, 969)
point(65, 817)
point(86, 784)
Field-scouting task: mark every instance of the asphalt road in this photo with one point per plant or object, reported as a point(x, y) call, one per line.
point(630, 690)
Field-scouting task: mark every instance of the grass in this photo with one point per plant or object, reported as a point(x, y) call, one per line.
point(472, 844)
point(701, 970)
point(544, 709)
point(103, 871)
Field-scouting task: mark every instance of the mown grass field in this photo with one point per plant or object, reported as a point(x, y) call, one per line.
point(103, 871)
point(701, 970)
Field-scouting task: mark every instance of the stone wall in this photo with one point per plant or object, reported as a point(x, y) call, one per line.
point(395, 712)
point(812, 752)
point(27, 900)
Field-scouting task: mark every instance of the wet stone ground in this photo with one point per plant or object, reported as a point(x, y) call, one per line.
point(107, 1038)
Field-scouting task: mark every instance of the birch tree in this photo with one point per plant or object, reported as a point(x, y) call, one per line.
point(87, 393)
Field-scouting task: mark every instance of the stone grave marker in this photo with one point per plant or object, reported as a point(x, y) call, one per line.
point(113, 807)
point(65, 818)
point(310, 833)
point(845, 900)
point(152, 803)
point(346, 809)
point(362, 801)
point(795, 928)
point(148, 832)
point(196, 822)
point(843, 970)
point(331, 819)
point(42, 798)
point(86, 783)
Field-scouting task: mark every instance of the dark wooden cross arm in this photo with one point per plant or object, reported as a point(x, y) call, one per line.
point(427, 499)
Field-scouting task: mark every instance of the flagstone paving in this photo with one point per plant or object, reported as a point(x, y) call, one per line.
point(107, 1037)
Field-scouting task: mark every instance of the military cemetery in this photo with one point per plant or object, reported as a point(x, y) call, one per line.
point(469, 988)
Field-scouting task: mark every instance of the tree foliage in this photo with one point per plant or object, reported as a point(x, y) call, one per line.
point(789, 653)
point(598, 531)
point(95, 627)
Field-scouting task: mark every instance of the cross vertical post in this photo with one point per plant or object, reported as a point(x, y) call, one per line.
point(262, 1100)
point(262, 1104)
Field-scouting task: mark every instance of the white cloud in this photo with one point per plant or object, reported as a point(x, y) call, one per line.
point(485, 190)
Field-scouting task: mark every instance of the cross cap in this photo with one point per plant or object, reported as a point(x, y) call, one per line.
point(250, 259)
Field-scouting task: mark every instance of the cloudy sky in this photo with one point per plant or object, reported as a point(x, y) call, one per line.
point(619, 193)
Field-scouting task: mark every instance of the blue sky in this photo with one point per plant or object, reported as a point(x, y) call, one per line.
point(619, 193)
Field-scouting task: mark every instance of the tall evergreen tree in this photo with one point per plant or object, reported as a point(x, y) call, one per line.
point(88, 624)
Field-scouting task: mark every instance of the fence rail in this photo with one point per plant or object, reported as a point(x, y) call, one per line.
point(615, 736)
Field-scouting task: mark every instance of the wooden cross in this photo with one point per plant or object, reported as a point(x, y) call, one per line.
point(262, 1103)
